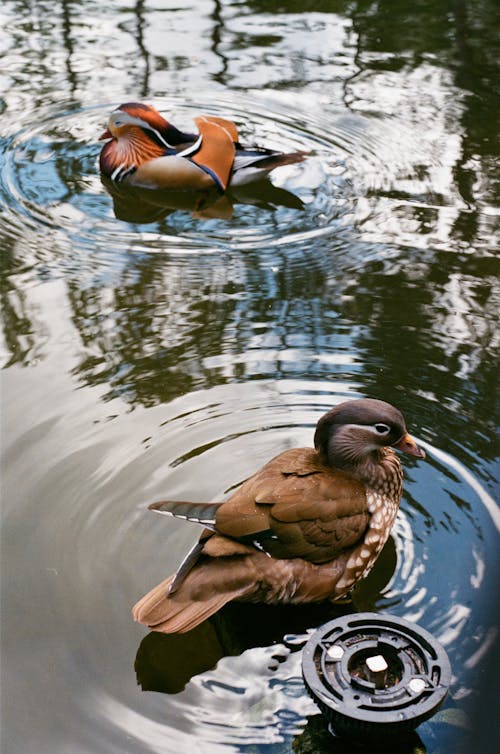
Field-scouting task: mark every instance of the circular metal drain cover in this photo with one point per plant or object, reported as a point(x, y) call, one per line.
point(375, 675)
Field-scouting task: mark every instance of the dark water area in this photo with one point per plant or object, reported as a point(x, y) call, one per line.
point(156, 348)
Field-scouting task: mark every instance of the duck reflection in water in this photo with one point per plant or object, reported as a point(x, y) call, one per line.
point(167, 662)
point(135, 204)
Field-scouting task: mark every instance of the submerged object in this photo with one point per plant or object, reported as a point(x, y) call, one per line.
point(375, 676)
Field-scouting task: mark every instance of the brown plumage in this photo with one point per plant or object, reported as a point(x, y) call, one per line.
point(305, 528)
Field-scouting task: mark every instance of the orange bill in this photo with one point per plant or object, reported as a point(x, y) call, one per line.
point(408, 445)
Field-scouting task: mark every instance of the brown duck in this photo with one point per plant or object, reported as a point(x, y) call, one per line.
point(305, 528)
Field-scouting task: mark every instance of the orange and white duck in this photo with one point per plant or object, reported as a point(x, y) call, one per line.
point(146, 150)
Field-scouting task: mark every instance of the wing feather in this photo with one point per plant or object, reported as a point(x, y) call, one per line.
point(199, 513)
point(217, 150)
point(296, 507)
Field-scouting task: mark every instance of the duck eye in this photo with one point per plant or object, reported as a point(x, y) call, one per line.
point(382, 429)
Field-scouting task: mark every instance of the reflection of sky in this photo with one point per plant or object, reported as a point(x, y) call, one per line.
point(315, 47)
point(461, 321)
point(399, 143)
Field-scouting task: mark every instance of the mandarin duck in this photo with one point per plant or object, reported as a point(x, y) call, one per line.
point(146, 150)
point(305, 528)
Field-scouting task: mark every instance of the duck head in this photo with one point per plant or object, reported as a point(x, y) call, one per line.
point(127, 118)
point(357, 432)
point(137, 133)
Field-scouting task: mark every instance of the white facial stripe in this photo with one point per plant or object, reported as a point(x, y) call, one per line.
point(370, 428)
point(121, 171)
point(120, 118)
point(158, 136)
point(127, 171)
point(193, 148)
point(116, 172)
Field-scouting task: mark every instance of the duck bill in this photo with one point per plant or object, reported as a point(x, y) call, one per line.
point(408, 445)
point(106, 135)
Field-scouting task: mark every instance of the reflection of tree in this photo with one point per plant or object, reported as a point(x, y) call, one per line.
point(415, 351)
point(459, 37)
point(138, 347)
point(140, 25)
point(171, 329)
point(417, 326)
point(178, 327)
point(68, 43)
point(18, 327)
point(217, 47)
point(300, 6)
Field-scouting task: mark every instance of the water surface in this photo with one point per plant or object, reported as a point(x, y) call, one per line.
point(154, 351)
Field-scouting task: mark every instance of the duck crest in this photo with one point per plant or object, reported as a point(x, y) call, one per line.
point(145, 112)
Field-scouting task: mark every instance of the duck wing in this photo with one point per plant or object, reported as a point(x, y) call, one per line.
point(267, 542)
point(296, 507)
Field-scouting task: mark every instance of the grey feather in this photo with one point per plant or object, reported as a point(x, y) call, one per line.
point(186, 565)
point(199, 513)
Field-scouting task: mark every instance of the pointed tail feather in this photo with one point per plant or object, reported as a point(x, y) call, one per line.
point(266, 160)
point(275, 161)
point(200, 513)
point(250, 167)
point(193, 614)
point(150, 609)
point(160, 612)
point(204, 590)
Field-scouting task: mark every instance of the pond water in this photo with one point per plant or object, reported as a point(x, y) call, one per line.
point(153, 351)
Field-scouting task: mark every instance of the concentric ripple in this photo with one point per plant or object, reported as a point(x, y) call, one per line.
point(251, 698)
point(97, 538)
point(51, 185)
